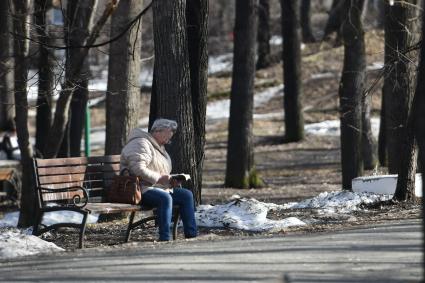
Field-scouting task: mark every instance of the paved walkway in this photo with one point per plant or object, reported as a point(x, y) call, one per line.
point(385, 253)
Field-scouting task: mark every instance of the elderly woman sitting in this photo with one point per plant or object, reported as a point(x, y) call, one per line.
point(145, 156)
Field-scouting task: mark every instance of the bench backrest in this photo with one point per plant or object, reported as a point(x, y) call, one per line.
point(93, 173)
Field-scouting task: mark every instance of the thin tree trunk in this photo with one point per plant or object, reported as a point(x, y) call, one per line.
point(399, 83)
point(45, 77)
point(21, 21)
point(291, 32)
point(240, 161)
point(263, 35)
point(7, 101)
point(382, 138)
point(78, 23)
point(60, 121)
point(172, 81)
point(197, 32)
point(123, 95)
point(351, 91)
point(368, 141)
point(335, 20)
point(307, 30)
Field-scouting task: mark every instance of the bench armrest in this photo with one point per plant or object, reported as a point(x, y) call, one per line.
point(77, 200)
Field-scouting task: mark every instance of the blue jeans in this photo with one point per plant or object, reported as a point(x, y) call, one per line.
point(164, 201)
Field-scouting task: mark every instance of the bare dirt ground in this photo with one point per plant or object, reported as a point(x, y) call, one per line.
point(291, 171)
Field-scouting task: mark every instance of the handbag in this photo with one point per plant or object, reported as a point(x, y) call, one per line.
point(125, 189)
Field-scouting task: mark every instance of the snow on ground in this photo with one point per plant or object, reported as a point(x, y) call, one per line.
point(332, 127)
point(240, 213)
point(16, 243)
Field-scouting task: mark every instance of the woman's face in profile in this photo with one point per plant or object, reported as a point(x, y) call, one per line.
point(163, 136)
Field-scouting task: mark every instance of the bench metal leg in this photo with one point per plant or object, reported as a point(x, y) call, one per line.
point(83, 230)
point(176, 222)
point(129, 228)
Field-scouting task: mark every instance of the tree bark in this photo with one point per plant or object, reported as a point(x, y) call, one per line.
point(172, 82)
point(7, 101)
point(382, 138)
point(368, 141)
point(76, 123)
point(263, 35)
point(351, 90)
point(399, 82)
point(307, 30)
point(21, 21)
point(123, 95)
point(197, 33)
point(294, 121)
point(45, 77)
point(240, 161)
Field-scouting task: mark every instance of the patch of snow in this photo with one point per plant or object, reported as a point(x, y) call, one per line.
point(375, 66)
point(326, 75)
point(244, 214)
point(16, 243)
point(222, 63)
point(276, 40)
point(332, 128)
point(338, 202)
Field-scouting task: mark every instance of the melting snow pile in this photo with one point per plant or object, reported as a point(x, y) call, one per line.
point(244, 214)
point(338, 202)
point(14, 243)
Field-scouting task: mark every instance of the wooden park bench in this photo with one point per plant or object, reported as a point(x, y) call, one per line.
point(79, 184)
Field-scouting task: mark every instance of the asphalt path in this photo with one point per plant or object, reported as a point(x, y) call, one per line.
point(383, 253)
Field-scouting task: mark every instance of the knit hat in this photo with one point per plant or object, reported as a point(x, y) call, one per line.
point(160, 124)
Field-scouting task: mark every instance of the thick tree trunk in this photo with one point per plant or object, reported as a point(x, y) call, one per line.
point(294, 121)
point(45, 77)
point(263, 35)
point(399, 82)
point(123, 95)
point(197, 33)
point(368, 141)
point(351, 91)
point(21, 21)
point(307, 31)
point(172, 82)
point(240, 161)
point(7, 100)
point(419, 106)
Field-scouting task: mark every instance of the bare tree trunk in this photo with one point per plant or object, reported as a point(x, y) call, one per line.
point(172, 81)
point(291, 32)
point(399, 83)
point(60, 121)
point(21, 21)
point(7, 101)
point(368, 141)
point(123, 95)
point(263, 35)
point(45, 77)
point(382, 138)
point(197, 33)
point(78, 23)
point(240, 161)
point(335, 20)
point(351, 91)
point(307, 31)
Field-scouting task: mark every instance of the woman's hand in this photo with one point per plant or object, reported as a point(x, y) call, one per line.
point(175, 183)
point(164, 180)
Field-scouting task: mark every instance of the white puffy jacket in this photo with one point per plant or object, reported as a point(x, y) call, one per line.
point(144, 157)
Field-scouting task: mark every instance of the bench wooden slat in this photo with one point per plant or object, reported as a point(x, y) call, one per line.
point(47, 171)
point(61, 196)
point(106, 208)
point(77, 160)
point(58, 179)
point(86, 185)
